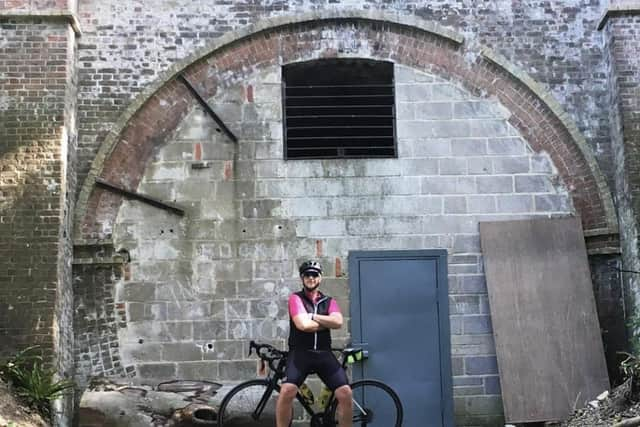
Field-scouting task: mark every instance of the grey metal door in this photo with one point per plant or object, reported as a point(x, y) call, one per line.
point(400, 313)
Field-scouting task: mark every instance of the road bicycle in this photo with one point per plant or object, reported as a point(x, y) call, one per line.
point(252, 403)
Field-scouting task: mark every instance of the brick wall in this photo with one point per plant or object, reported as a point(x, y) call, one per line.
point(37, 184)
point(620, 31)
point(125, 46)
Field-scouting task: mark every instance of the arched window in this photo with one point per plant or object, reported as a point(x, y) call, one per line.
point(338, 108)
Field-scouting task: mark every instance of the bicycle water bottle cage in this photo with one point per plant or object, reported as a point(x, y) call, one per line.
point(353, 355)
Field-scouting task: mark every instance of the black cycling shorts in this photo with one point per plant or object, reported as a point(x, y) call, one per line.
point(301, 363)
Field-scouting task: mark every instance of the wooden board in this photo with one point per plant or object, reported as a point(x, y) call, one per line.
point(545, 325)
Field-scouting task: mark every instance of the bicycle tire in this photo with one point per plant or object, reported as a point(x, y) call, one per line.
point(380, 403)
point(238, 406)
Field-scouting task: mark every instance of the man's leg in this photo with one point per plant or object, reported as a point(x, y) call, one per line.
point(345, 406)
point(284, 406)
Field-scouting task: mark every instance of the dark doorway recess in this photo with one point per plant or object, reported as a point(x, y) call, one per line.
point(339, 108)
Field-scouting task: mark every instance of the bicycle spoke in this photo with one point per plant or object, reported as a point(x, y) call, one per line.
point(248, 406)
point(374, 405)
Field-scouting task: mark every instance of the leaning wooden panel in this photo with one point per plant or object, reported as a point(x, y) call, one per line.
point(545, 325)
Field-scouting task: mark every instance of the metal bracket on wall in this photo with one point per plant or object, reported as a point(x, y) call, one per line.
point(207, 107)
point(141, 197)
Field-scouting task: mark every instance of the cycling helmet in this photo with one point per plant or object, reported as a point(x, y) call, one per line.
point(310, 266)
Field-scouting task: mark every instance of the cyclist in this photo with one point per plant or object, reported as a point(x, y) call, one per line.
point(311, 317)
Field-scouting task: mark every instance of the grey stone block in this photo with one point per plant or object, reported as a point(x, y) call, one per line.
point(552, 203)
point(467, 284)
point(270, 169)
point(452, 166)
point(541, 163)
point(305, 169)
point(533, 184)
point(514, 203)
point(139, 292)
point(188, 310)
point(490, 128)
point(515, 164)
point(468, 390)
point(157, 371)
point(221, 150)
point(198, 371)
point(467, 243)
point(181, 352)
point(381, 167)
point(431, 147)
point(481, 365)
point(449, 185)
point(464, 304)
point(473, 109)
point(405, 110)
point(418, 167)
point(365, 226)
point(207, 330)
point(236, 370)
point(455, 324)
point(457, 366)
point(466, 381)
point(469, 146)
point(223, 350)
point(433, 110)
point(447, 91)
point(322, 227)
point(305, 207)
point(413, 92)
point(402, 225)
point(455, 204)
point(508, 146)
point(495, 184)
point(268, 308)
point(141, 311)
point(269, 150)
point(141, 353)
point(492, 385)
point(449, 224)
point(479, 405)
point(479, 165)
point(237, 309)
point(480, 324)
point(481, 204)
point(265, 208)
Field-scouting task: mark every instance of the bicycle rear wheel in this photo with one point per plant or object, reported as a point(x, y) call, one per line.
point(375, 404)
point(248, 405)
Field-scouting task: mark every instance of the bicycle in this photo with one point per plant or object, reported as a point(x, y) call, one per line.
point(252, 403)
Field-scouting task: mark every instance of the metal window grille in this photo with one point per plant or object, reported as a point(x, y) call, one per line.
point(339, 108)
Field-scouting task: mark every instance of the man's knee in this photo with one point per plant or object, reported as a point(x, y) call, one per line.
point(343, 393)
point(288, 391)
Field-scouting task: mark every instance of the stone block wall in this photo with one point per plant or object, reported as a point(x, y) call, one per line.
point(202, 285)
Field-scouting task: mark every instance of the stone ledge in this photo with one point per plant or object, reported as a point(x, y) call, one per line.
point(628, 8)
point(47, 15)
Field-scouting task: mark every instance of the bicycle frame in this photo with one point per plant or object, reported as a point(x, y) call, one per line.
point(276, 375)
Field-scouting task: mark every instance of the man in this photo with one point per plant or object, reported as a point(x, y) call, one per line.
point(311, 317)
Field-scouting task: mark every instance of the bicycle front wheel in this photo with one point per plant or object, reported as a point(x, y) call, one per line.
point(249, 404)
point(375, 404)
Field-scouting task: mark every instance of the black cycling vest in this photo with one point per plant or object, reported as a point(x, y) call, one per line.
point(320, 340)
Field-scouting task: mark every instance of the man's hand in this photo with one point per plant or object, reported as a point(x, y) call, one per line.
point(331, 321)
point(304, 323)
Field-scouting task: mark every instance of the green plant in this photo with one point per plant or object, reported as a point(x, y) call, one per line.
point(630, 366)
point(32, 381)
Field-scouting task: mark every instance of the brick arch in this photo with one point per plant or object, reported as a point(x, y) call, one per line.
point(409, 41)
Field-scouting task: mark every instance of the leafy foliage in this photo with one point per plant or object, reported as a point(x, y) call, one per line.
point(32, 381)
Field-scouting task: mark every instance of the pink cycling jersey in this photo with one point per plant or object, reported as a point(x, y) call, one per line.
point(296, 306)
